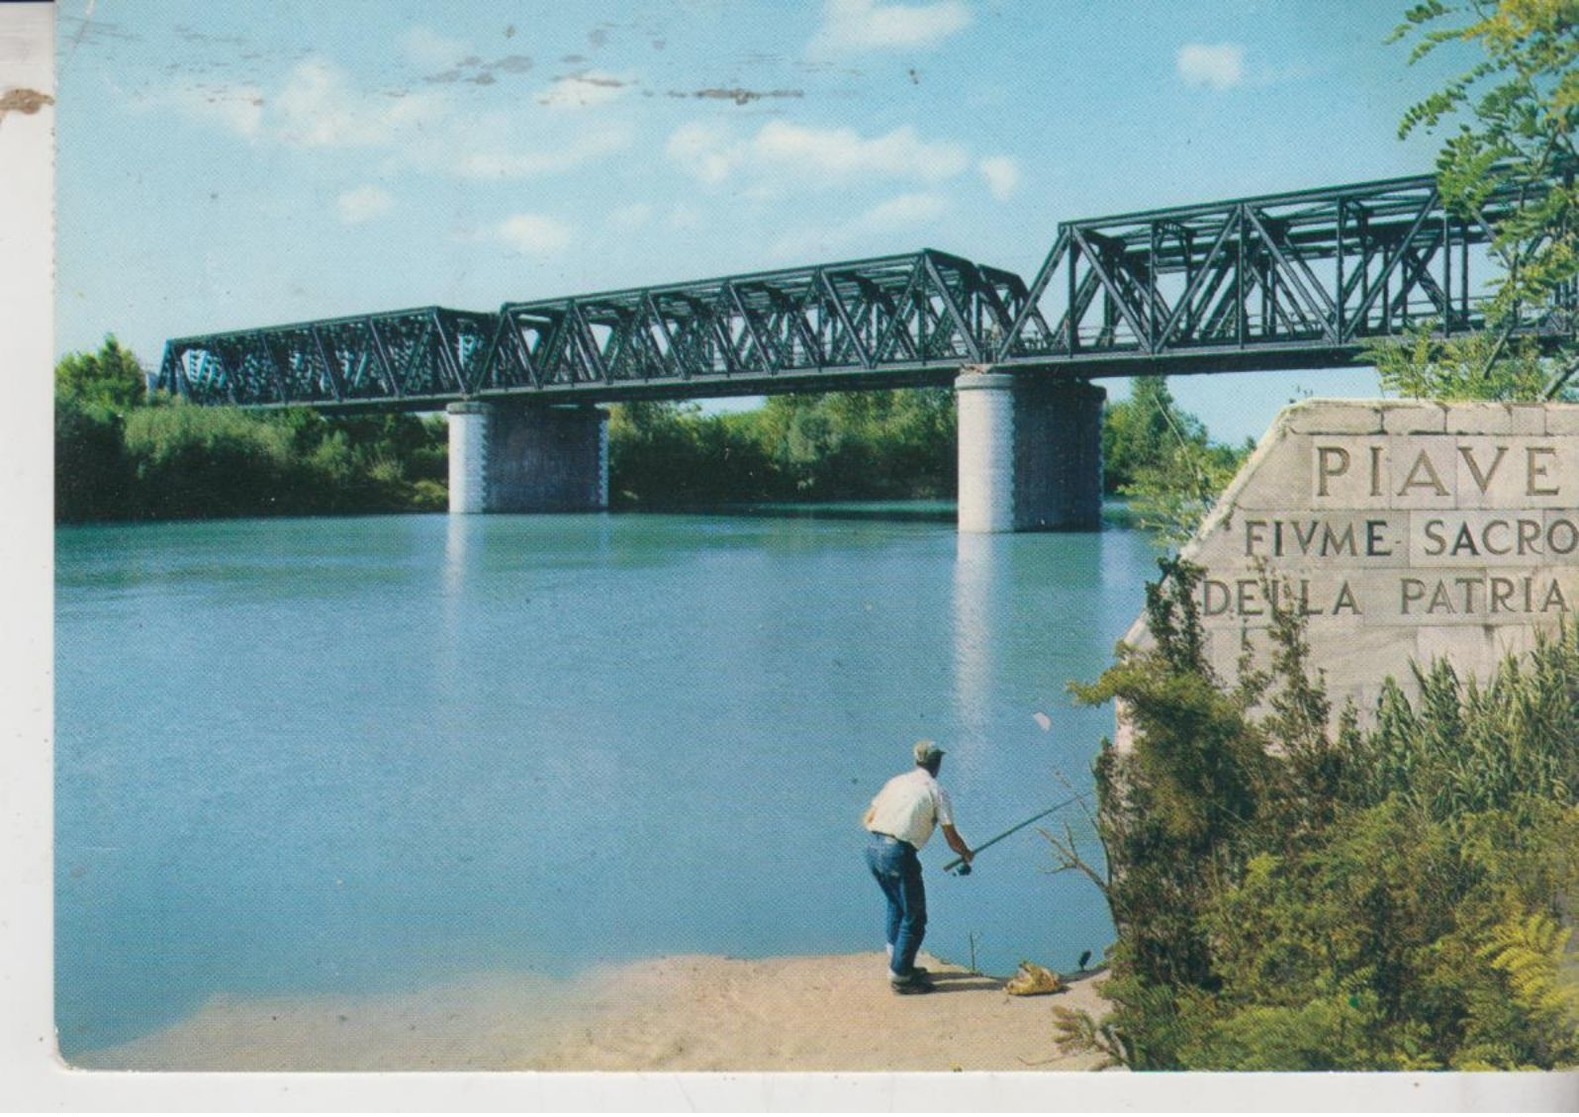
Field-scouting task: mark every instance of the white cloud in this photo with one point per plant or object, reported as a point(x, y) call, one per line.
point(844, 153)
point(1218, 66)
point(829, 156)
point(706, 151)
point(364, 204)
point(684, 218)
point(429, 49)
point(238, 109)
point(534, 234)
point(585, 90)
point(1002, 174)
point(504, 159)
point(856, 25)
point(876, 226)
point(901, 212)
point(317, 105)
point(632, 216)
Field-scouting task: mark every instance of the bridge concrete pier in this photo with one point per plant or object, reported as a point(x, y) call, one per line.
point(1030, 453)
point(527, 458)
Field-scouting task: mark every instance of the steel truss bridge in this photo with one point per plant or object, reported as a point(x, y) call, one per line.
point(1296, 280)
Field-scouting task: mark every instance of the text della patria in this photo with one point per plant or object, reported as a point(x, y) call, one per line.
point(1411, 531)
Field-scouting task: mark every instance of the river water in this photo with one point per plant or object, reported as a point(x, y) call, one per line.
point(367, 755)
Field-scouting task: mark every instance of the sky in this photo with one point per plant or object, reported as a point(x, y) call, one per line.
point(246, 164)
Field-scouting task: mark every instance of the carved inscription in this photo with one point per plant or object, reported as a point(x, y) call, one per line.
point(1378, 471)
point(1404, 532)
point(1410, 530)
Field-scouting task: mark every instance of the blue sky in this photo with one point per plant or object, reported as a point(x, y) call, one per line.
point(243, 164)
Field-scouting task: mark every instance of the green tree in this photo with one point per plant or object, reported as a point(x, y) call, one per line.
point(889, 444)
point(112, 377)
point(1138, 433)
point(1172, 815)
point(1290, 897)
point(1161, 458)
point(93, 479)
point(123, 454)
point(838, 446)
point(93, 394)
point(1474, 366)
point(1516, 111)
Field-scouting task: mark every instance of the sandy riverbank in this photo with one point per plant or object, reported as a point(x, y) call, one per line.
point(688, 1013)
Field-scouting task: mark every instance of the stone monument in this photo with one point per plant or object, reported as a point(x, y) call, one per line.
point(1403, 531)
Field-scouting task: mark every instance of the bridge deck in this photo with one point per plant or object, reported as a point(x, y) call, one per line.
point(1293, 280)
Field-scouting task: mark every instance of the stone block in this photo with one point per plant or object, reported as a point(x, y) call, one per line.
point(1478, 417)
point(469, 426)
point(547, 459)
point(1418, 471)
point(1413, 417)
point(1282, 478)
point(1473, 650)
point(1374, 594)
point(1360, 658)
point(1513, 471)
point(1304, 541)
point(1057, 455)
point(1471, 539)
point(1562, 419)
point(1527, 418)
point(1325, 416)
point(985, 404)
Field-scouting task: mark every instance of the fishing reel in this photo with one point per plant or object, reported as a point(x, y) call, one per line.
point(963, 869)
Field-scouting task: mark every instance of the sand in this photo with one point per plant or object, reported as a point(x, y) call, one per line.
point(686, 1013)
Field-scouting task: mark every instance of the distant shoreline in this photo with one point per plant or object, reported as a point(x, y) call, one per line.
point(1115, 512)
point(680, 1013)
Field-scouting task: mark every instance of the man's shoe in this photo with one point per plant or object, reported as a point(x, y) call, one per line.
point(913, 986)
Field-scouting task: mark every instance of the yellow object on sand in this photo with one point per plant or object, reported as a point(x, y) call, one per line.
point(1031, 980)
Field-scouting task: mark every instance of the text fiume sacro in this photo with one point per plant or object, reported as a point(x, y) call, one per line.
point(1483, 535)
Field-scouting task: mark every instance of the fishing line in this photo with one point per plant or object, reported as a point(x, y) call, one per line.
point(959, 867)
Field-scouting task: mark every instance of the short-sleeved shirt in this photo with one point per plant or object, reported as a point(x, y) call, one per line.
point(909, 806)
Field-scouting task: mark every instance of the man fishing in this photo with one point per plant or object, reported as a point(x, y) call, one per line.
point(900, 821)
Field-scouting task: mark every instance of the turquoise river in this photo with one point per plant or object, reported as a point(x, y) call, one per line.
point(372, 754)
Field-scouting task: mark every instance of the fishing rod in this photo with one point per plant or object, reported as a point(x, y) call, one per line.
point(960, 867)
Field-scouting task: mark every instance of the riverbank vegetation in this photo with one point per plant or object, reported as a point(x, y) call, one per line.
point(894, 445)
point(1293, 893)
point(874, 445)
point(121, 454)
point(1162, 460)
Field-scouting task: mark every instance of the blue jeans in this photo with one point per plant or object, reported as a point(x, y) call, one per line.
point(898, 872)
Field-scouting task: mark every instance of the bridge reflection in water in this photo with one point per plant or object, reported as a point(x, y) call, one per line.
point(978, 575)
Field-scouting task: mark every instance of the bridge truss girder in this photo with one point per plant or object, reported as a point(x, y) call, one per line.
point(1295, 280)
point(1314, 272)
point(747, 333)
point(405, 358)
